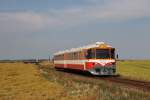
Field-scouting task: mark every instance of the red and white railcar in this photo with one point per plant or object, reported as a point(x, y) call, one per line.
point(98, 59)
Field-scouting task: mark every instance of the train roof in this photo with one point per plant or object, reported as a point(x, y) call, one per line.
point(95, 45)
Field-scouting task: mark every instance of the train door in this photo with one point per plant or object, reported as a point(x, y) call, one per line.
point(64, 60)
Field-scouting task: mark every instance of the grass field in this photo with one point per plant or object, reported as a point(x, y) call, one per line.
point(20, 81)
point(105, 91)
point(134, 69)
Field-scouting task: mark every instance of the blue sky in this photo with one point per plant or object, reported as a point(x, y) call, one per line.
point(38, 28)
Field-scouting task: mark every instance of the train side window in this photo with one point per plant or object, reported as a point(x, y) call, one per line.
point(89, 54)
point(113, 53)
point(75, 55)
point(80, 55)
point(72, 56)
point(69, 56)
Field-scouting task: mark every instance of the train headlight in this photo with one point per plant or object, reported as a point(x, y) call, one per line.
point(89, 65)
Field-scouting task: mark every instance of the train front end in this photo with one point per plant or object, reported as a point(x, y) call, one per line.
point(101, 67)
point(101, 60)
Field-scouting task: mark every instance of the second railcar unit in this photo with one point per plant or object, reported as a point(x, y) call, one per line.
point(98, 59)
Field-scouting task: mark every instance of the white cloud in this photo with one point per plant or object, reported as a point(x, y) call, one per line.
point(123, 9)
point(110, 10)
point(12, 22)
point(18, 22)
point(115, 10)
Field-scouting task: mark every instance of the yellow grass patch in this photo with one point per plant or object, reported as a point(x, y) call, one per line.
point(47, 64)
point(20, 81)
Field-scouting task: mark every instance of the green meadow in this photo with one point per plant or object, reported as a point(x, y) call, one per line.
point(134, 69)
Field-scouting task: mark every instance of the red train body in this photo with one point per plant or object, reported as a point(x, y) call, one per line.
point(98, 59)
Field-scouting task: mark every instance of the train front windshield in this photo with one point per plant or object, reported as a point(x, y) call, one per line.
point(101, 54)
point(104, 53)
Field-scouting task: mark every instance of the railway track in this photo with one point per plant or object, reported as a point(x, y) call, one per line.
point(132, 83)
point(142, 85)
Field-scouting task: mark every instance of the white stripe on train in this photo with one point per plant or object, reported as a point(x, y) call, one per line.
point(102, 62)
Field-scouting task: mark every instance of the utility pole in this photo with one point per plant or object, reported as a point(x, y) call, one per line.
point(49, 59)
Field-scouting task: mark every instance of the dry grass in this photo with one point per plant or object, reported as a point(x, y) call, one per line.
point(92, 89)
point(20, 81)
point(23, 82)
